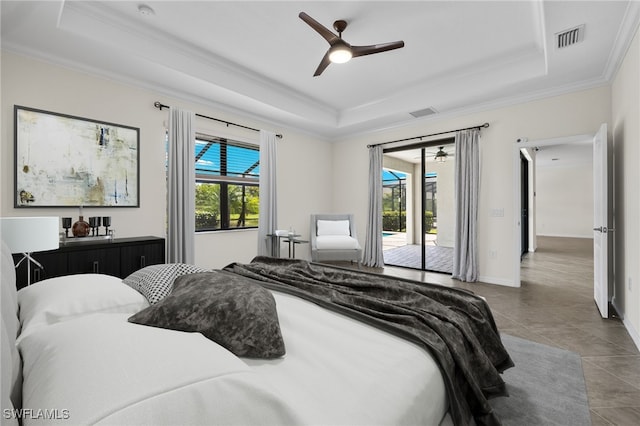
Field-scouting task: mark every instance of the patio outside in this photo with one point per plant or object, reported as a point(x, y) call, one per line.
point(401, 249)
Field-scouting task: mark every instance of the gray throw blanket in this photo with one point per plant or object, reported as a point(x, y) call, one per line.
point(454, 325)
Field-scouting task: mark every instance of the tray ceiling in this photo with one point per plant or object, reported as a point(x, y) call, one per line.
point(258, 58)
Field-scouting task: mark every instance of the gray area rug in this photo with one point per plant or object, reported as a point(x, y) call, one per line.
point(546, 386)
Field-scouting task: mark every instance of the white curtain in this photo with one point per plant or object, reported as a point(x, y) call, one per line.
point(373, 245)
point(268, 221)
point(181, 210)
point(467, 183)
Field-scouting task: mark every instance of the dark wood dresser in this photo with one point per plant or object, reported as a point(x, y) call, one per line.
point(119, 257)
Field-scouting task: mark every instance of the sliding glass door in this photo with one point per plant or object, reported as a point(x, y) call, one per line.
point(418, 206)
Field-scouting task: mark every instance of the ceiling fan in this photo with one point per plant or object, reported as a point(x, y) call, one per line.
point(440, 155)
point(341, 51)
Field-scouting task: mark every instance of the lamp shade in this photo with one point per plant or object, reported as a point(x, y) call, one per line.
point(30, 234)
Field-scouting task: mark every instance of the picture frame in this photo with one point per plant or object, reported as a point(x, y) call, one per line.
point(63, 160)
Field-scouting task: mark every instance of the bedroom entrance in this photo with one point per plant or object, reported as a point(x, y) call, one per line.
point(418, 206)
point(570, 179)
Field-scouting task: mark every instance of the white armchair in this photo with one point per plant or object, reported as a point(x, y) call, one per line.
point(333, 238)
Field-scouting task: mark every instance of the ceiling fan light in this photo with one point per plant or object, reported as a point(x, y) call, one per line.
point(340, 54)
point(441, 156)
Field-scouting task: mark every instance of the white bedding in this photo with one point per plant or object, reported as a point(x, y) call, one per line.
point(98, 368)
point(340, 371)
point(101, 369)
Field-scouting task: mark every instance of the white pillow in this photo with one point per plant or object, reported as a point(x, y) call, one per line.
point(63, 298)
point(333, 227)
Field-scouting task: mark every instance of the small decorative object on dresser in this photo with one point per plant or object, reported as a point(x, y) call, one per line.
point(80, 228)
point(66, 224)
point(106, 222)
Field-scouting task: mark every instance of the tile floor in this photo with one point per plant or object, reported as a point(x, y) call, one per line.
point(437, 258)
point(555, 306)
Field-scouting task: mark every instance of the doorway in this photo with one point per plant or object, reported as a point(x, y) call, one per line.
point(524, 203)
point(560, 202)
point(420, 179)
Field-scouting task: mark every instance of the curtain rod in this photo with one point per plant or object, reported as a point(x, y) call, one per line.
point(485, 125)
point(228, 123)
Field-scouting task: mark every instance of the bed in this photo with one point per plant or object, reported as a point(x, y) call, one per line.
point(272, 342)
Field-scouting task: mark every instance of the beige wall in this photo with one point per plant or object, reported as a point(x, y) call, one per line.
point(304, 162)
point(541, 119)
point(39, 85)
point(564, 197)
point(625, 128)
point(446, 200)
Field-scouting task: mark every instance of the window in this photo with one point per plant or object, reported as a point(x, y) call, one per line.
point(227, 184)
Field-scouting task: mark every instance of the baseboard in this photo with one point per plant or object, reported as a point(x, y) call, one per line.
point(565, 236)
point(497, 281)
point(635, 336)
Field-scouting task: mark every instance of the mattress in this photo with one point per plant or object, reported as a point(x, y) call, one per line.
point(85, 363)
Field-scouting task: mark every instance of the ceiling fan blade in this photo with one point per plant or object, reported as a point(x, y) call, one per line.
point(376, 48)
point(324, 63)
point(322, 30)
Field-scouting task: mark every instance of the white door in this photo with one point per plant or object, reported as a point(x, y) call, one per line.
point(600, 222)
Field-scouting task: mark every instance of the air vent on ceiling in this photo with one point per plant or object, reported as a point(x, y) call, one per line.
point(423, 112)
point(570, 37)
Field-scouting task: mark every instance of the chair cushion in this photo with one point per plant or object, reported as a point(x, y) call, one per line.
point(333, 227)
point(336, 242)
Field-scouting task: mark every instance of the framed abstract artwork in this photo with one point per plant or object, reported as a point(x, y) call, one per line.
point(64, 161)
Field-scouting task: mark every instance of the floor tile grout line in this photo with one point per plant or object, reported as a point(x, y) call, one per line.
point(602, 418)
point(635, 386)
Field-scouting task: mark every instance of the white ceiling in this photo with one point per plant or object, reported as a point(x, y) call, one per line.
point(258, 58)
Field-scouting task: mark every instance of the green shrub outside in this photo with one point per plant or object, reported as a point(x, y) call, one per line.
point(206, 220)
point(390, 221)
point(428, 221)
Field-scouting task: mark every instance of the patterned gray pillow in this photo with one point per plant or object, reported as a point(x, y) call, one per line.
point(238, 314)
point(155, 282)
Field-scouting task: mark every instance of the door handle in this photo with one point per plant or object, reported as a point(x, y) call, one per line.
point(604, 229)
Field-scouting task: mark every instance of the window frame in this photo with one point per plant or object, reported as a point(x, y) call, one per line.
point(226, 178)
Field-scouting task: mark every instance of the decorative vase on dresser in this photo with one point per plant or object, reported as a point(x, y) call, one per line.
point(80, 228)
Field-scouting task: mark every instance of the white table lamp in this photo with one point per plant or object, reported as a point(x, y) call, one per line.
point(27, 235)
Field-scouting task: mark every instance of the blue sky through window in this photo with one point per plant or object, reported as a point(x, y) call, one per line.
point(388, 176)
point(240, 159)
